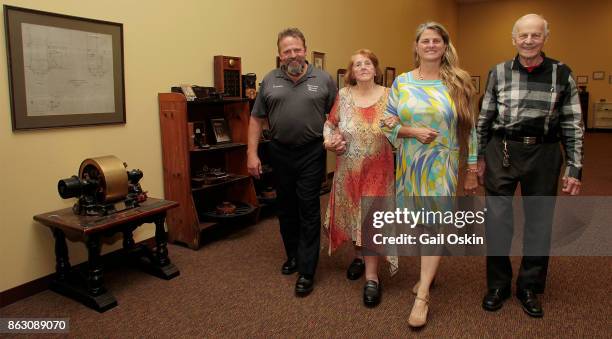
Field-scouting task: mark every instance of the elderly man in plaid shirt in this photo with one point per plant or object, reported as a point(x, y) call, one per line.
point(530, 105)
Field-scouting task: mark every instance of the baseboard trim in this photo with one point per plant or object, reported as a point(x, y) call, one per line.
point(41, 284)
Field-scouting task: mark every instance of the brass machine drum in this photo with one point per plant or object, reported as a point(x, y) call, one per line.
point(110, 172)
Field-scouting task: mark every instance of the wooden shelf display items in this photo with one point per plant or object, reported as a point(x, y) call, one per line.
point(204, 160)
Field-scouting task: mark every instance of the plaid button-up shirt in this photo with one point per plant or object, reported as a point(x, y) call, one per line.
point(543, 102)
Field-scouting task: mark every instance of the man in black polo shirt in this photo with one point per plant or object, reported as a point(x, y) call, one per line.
point(531, 103)
point(295, 99)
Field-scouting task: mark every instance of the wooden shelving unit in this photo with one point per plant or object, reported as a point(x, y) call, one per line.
point(180, 163)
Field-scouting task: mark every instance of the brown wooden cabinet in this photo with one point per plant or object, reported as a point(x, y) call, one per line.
point(182, 162)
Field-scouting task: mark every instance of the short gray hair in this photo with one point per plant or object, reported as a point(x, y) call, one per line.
point(514, 28)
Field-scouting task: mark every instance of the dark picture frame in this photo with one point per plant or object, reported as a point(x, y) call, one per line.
point(582, 79)
point(599, 75)
point(379, 79)
point(68, 71)
point(340, 73)
point(318, 60)
point(476, 83)
point(220, 131)
point(389, 76)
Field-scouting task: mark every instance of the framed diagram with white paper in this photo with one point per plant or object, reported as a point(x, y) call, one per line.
point(63, 70)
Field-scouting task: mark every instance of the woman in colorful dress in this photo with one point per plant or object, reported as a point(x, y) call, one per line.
point(364, 164)
point(430, 119)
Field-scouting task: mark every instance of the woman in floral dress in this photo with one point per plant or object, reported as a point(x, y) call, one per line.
point(364, 164)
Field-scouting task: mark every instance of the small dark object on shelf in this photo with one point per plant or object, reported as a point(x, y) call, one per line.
point(199, 136)
point(268, 193)
point(241, 209)
point(249, 81)
point(226, 208)
point(209, 176)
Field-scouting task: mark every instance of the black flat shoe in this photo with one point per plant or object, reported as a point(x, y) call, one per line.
point(290, 266)
point(531, 304)
point(304, 285)
point(356, 269)
point(494, 300)
point(372, 292)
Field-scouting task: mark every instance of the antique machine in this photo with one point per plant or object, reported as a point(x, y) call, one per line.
point(103, 186)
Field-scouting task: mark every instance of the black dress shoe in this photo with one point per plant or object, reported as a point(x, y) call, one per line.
point(290, 266)
point(494, 300)
point(304, 285)
point(355, 270)
point(531, 304)
point(371, 293)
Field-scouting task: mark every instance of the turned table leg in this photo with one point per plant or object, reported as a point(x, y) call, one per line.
point(128, 239)
point(94, 278)
point(161, 240)
point(62, 263)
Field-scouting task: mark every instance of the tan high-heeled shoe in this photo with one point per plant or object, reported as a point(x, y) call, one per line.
point(415, 288)
point(419, 319)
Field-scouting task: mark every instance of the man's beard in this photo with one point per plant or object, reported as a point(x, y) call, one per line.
point(294, 66)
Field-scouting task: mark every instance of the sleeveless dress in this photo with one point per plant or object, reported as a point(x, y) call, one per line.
point(365, 169)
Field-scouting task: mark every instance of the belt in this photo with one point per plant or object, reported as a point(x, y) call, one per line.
point(529, 140)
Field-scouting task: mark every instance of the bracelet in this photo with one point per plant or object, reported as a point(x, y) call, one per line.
point(472, 170)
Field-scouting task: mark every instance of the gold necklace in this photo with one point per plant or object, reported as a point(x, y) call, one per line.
point(419, 74)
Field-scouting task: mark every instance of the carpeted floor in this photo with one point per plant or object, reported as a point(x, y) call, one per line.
point(233, 287)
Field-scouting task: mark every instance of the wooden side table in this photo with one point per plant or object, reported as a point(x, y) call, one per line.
point(91, 229)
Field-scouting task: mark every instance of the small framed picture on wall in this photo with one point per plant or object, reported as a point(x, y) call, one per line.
point(582, 79)
point(389, 76)
point(340, 77)
point(599, 75)
point(318, 60)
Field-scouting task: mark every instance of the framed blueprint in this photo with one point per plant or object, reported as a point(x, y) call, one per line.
point(63, 70)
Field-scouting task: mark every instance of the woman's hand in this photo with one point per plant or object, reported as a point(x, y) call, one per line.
point(336, 144)
point(424, 135)
point(390, 121)
point(471, 183)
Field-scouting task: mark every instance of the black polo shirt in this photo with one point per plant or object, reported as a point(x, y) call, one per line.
point(296, 111)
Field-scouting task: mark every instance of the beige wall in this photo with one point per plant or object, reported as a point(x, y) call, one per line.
point(168, 43)
point(581, 32)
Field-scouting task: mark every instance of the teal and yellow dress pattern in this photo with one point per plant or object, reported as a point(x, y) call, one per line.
point(425, 169)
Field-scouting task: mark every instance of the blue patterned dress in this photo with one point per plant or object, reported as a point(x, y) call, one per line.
point(425, 169)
